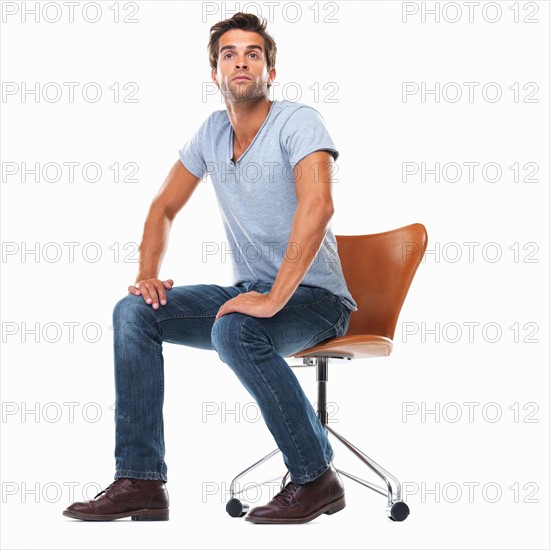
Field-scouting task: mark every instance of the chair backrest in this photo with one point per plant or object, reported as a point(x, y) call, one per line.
point(379, 269)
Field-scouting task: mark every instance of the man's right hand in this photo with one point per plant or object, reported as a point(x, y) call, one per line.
point(152, 290)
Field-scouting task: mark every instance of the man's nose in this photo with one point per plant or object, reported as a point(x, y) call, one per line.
point(241, 64)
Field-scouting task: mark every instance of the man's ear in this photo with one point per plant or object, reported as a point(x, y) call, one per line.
point(272, 74)
point(215, 80)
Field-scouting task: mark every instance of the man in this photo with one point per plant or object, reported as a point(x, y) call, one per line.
point(270, 163)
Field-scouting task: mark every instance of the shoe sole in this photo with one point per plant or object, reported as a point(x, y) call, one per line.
point(136, 515)
point(329, 509)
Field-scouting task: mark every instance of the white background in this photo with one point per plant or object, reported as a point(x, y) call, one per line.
point(366, 51)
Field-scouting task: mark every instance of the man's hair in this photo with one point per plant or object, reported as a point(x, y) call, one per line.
point(245, 22)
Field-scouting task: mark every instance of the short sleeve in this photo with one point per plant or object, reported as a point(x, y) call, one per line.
point(191, 154)
point(305, 133)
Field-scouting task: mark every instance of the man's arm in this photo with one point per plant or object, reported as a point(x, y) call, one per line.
point(313, 183)
point(169, 200)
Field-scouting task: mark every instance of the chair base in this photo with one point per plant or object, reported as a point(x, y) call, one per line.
point(396, 509)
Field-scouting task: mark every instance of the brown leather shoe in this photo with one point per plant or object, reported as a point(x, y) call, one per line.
point(139, 498)
point(302, 503)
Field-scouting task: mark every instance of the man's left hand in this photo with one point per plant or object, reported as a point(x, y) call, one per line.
point(251, 303)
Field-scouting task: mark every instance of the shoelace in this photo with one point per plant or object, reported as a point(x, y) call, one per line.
point(286, 495)
point(112, 485)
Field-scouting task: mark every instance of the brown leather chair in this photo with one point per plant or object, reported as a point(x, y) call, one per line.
point(379, 270)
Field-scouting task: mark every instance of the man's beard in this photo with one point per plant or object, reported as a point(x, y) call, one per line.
point(245, 92)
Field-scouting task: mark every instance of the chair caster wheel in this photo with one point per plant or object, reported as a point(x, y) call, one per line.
point(398, 511)
point(235, 508)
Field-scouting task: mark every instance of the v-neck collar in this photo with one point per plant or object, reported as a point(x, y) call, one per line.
point(234, 163)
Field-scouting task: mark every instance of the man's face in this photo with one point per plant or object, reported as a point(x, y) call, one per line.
point(242, 53)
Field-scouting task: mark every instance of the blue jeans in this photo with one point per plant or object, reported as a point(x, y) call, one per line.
point(253, 347)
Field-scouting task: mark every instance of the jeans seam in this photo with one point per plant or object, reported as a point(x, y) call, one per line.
point(276, 398)
point(184, 316)
point(160, 438)
point(325, 299)
point(204, 315)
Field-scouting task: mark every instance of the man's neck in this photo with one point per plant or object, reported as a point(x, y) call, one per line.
point(247, 118)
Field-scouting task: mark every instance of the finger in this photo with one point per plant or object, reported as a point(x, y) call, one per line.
point(154, 287)
point(229, 308)
point(221, 312)
point(161, 293)
point(148, 292)
point(169, 283)
point(133, 290)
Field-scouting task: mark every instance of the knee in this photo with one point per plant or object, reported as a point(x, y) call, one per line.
point(226, 331)
point(128, 310)
point(236, 334)
point(231, 333)
point(134, 321)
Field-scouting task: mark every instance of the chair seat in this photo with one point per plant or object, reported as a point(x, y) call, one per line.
point(356, 346)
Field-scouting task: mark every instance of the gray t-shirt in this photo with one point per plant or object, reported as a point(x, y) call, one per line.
point(256, 195)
